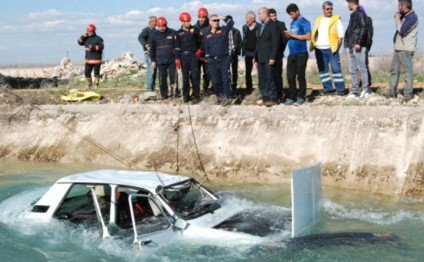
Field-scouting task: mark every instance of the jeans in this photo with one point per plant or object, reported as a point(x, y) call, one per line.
point(163, 75)
point(150, 74)
point(402, 58)
point(325, 60)
point(296, 67)
point(358, 65)
point(267, 81)
point(220, 73)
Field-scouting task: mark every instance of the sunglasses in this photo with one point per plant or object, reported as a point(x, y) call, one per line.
point(329, 9)
point(216, 20)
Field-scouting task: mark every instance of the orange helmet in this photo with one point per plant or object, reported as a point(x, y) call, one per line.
point(202, 13)
point(161, 21)
point(185, 17)
point(91, 28)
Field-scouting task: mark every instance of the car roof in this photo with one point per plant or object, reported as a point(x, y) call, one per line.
point(140, 179)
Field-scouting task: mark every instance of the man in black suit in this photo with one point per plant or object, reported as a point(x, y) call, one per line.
point(283, 43)
point(267, 55)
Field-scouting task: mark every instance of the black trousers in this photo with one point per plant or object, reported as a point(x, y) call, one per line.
point(164, 69)
point(234, 72)
point(190, 68)
point(204, 67)
point(89, 68)
point(296, 68)
point(279, 78)
point(249, 66)
point(267, 81)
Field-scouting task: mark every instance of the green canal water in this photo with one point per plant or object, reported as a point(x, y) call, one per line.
point(344, 211)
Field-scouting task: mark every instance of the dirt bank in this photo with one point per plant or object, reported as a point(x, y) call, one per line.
point(379, 149)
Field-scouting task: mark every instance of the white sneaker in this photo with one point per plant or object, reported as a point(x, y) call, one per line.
point(365, 94)
point(259, 102)
point(352, 96)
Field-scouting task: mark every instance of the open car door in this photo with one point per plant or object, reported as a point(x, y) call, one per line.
point(152, 225)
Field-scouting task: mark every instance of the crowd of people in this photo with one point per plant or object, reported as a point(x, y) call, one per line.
point(208, 52)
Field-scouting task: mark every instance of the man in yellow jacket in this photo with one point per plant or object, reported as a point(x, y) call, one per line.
point(326, 40)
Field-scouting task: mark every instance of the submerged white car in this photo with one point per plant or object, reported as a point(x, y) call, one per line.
point(157, 207)
point(160, 208)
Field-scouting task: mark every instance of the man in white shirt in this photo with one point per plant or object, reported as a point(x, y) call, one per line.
point(326, 40)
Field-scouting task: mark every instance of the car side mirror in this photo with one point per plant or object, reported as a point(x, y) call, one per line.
point(181, 224)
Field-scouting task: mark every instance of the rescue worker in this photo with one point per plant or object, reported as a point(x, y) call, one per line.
point(143, 38)
point(204, 27)
point(187, 44)
point(162, 54)
point(93, 55)
point(217, 53)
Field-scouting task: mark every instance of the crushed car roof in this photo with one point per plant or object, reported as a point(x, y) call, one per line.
point(140, 179)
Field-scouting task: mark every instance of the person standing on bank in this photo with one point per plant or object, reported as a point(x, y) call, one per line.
point(370, 35)
point(204, 27)
point(405, 44)
point(143, 38)
point(326, 40)
point(216, 51)
point(187, 43)
point(93, 55)
point(356, 41)
point(162, 53)
point(234, 45)
point(299, 34)
point(267, 55)
point(250, 32)
point(283, 45)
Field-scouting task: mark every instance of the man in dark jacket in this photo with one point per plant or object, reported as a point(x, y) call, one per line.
point(283, 44)
point(204, 27)
point(187, 44)
point(162, 53)
point(216, 51)
point(356, 41)
point(93, 54)
point(234, 46)
point(250, 32)
point(143, 38)
point(268, 53)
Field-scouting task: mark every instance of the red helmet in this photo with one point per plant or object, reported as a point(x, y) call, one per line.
point(161, 21)
point(185, 17)
point(202, 13)
point(91, 27)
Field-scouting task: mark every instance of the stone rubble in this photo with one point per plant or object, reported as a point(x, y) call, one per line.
point(113, 69)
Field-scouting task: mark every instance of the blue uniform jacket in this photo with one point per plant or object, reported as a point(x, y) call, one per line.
point(187, 41)
point(216, 44)
point(162, 46)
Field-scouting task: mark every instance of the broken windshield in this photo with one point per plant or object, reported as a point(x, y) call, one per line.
point(190, 200)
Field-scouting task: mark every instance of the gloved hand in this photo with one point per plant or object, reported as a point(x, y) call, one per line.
point(178, 63)
point(199, 53)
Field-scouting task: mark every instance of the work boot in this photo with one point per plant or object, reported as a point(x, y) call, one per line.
point(195, 100)
point(89, 83)
point(408, 97)
point(97, 83)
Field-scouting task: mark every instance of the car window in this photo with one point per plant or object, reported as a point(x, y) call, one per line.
point(78, 206)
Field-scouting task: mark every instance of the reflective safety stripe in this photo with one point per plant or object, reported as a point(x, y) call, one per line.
point(337, 75)
point(337, 80)
point(326, 79)
point(324, 75)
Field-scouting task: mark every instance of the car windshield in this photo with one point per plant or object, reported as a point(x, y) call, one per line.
point(190, 200)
